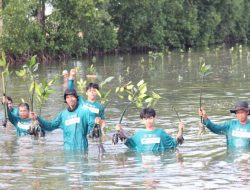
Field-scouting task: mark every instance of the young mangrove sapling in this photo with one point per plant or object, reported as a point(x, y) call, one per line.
point(204, 71)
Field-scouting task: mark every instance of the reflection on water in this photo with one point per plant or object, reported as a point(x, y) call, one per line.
point(202, 162)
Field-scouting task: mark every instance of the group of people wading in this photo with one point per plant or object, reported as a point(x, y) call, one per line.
point(84, 117)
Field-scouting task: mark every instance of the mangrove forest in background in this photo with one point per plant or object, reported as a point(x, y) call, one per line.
point(65, 28)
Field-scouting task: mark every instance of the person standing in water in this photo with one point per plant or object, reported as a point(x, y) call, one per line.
point(150, 138)
point(74, 122)
point(237, 131)
point(22, 122)
point(12, 109)
point(95, 108)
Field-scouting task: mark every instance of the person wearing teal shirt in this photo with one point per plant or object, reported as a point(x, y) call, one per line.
point(151, 138)
point(74, 121)
point(13, 110)
point(22, 122)
point(237, 131)
point(95, 108)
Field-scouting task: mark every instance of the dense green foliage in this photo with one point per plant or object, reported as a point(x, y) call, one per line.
point(76, 27)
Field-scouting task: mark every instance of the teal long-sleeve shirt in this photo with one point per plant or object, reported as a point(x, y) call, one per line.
point(21, 125)
point(238, 136)
point(15, 111)
point(74, 125)
point(95, 109)
point(156, 140)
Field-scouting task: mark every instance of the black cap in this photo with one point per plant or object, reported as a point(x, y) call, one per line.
point(70, 92)
point(243, 105)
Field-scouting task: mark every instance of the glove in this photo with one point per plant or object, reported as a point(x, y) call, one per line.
point(4, 122)
point(36, 130)
point(118, 135)
point(115, 138)
point(95, 133)
point(180, 140)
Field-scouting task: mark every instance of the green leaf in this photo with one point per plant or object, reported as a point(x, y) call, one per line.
point(143, 88)
point(32, 61)
point(2, 64)
point(107, 94)
point(117, 89)
point(139, 104)
point(35, 67)
point(107, 80)
point(155, 95)
point(149, 100)
point(122, 89)
point(38, 90)
point(3, 60)
point(130, 98)
point(142, 96)
point(21, 73)
point(129, 87)
point(31, 87)
point(120, 96)
point(98, 93)
point(140, 83)
point(39, 99)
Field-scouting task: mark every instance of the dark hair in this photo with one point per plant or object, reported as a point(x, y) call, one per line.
point(9, 99)
point(92, 85)
point(70, 92)
point(147, 112)
point(24, 105)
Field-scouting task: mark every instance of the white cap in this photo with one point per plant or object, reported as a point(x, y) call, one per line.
point(65, 72)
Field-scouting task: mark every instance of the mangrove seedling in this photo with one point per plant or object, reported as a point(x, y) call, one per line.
point(28, 74)
point(43, 91)
point(177, 114)
point(103, 95)
point(97, 132)
point(5, 73)
point(81, 85)
point(137, 95)
point(154, 55)
point(204, 71)
point(91, 71)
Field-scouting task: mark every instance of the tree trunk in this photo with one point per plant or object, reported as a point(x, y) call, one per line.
point(1, 18)
point(41, 14)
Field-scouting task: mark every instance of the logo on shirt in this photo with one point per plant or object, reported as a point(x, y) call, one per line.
point(24, 126)
point(150, 140)
point(72, 121)
point(92, 109)
point(242, 134)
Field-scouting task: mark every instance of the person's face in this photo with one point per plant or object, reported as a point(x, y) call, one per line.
point(23, 112)
point(91, 94)
point(149, 121)
point(10, 104)
point(71, 100)
point(242, 115)
point(66, 76)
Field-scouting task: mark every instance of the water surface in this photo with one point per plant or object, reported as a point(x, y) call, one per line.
point(202, 162)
